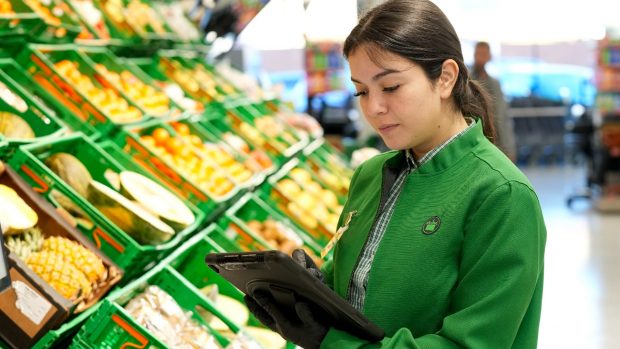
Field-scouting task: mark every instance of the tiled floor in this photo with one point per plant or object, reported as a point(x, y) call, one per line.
point(581, 304)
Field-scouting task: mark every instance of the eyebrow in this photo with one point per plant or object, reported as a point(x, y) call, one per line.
point(381, 74)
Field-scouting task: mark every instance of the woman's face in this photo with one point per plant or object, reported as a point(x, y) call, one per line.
point(398, 100)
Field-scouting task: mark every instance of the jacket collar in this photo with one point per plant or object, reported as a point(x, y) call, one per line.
point(448, 156)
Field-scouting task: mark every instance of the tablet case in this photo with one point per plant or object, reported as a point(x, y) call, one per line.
point(288, 282)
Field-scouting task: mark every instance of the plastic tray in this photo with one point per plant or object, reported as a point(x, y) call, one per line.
point(112, 327)
point(133, 257)
point(78, 110)
point(129, 140)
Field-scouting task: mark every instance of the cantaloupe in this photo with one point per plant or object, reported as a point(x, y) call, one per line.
point(15, 214)
point(140, 224)
point(156, 199)
point(71, 170)
point(14, 127)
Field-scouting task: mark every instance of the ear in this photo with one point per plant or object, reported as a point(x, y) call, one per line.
point(448, 77)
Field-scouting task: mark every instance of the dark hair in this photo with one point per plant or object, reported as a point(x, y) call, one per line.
point(483, 44)
point(420, 32)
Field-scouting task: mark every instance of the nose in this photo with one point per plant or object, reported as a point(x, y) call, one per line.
point(375, 105)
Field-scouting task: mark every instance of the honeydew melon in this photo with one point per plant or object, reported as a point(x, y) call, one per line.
point(128, 215)
point(14, 127)
point(71, 170)
point(156, 199)
point(15, 214)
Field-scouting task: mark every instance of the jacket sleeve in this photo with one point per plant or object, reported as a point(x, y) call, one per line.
point(499, 282)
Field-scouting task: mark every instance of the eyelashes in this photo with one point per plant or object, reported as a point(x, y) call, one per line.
point(388, 89)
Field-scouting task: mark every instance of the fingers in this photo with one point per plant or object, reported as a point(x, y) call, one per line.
point(305, 313)
point(299, 256)
point(261, 315)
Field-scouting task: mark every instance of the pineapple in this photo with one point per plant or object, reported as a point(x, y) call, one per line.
point(64, 277)
point(25, 243)
point(74, 253)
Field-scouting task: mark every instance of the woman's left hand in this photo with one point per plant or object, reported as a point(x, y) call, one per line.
point(302, 328)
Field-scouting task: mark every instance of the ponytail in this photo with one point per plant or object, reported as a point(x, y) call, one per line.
point(476, 102)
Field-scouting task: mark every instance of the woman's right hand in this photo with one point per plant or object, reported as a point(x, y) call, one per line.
point(302, 258)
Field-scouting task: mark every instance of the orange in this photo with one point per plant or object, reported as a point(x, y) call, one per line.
point(174, 146)
point(181, 128)
point(161, 136)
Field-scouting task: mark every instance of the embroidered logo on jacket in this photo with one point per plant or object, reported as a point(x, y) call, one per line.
point(431, 225)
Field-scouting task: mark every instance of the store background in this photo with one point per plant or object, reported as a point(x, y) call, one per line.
point(547, 55)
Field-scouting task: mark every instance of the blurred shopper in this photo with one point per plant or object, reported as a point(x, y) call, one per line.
point(504, 129)
point(441, 241)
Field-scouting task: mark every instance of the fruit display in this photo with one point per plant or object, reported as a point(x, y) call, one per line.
point(174, 14)
point(73, 270)
point(177, 150)
point(6, 8)
point(58, 15)
point(140, 207)
point(240, 172)
point(105, 98)
point(152, 101)
point(203, 91)
point(260, 160)
point(308, 203)
point(92, 17)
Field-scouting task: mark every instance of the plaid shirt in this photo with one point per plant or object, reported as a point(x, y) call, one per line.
point(359, 281)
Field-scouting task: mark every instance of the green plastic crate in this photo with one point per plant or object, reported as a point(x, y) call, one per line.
point(112, 327)
point(65, 31)
point(129, 140)
point(63, 335)
point(329, 166)
point(321, 230)
point(216, 120)
point(21, 23)
point(125, 251)
point(78, 110)
point(250, 207)
point(41, 119)
point(208, 137)
point(101, 55)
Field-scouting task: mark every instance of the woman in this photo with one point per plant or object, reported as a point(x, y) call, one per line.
point(444, 239)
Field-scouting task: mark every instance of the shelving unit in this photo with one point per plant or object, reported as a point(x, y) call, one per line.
point(607, 142)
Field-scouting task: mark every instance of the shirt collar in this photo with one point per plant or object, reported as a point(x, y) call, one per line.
point(406, 158)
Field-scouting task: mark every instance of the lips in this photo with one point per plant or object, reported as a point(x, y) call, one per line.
point(387, 128)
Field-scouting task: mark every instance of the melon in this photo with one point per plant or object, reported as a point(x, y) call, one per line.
point(156, 199)
point(128, 215)
point(14, 127)
point(232, 309)
point(71, 170)
point(266, 338)
point(15, 214)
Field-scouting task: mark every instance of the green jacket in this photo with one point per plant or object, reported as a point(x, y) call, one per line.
point(472, 278)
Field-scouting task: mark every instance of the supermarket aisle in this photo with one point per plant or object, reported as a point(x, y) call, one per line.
point(581, 305)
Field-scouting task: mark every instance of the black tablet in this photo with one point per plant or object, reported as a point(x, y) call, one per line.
point(5, 281)
point(287, 282)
